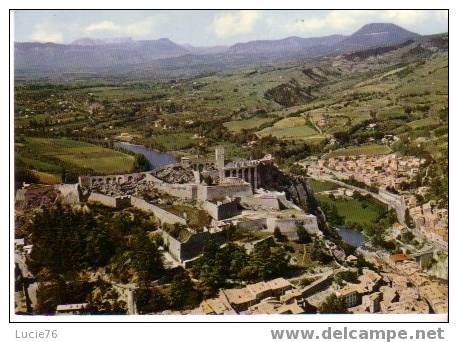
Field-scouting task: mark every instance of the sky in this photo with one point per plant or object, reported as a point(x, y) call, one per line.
point(212, 27)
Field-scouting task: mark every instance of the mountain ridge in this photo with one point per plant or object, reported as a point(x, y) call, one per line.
point(120, 53)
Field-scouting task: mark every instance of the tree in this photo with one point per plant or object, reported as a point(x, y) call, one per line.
point(180, 289)
point(141, 163)
point(303, 235)
point(104, 299)
point(317, 253)
point(208, 180)
point(49, 292)
point(151, 300)
point(342, 136)
point(23, 175)
point(349, 276)
point(333, 304)
point(277, 234)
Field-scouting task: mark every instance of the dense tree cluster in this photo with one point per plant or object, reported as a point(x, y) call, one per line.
point(180, 294)
point(222, 267)
point(333, 304)
point(67, 240)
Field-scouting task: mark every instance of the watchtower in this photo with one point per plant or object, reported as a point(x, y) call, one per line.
point(219, 157)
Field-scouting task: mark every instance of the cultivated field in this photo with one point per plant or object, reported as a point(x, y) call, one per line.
point(51, 155)
point(372, 149)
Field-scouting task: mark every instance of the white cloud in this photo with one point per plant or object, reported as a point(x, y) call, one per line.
point(234, 23)
point(105, 25)
point(43, 34)
point(135, 29)
point(404, 17)
point(140, 28)
point(348, 21)
point(339, 20)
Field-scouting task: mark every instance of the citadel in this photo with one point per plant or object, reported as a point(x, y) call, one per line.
point(229, 193)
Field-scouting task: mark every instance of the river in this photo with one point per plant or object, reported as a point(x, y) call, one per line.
point(351, 236)
point(155, 158)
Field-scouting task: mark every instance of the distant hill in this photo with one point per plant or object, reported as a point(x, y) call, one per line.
point(86, 41)
point(205, 50)
point(376, 34)
point(90, 54)
point(288, 45)
point(123, 55)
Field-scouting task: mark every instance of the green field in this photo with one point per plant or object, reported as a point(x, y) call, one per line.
point(353, 210)
point(319, 186)
point(175, 141)
point(48, 155)
point(293, 128)
point(372, 149)
point(238, 125)
point(422, 123)
point(47, 178)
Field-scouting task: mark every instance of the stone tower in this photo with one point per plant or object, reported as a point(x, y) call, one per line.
point(219, 157)
point(131, 302)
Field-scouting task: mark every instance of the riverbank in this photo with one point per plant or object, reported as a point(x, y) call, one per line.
point(155, 158)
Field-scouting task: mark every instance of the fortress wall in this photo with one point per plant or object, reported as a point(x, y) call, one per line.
point(318, 285)
point(194, 245)
point(162, 215)
point(267, 202)
point(254, 224)
point(174, 246)
point(69, 193)
point(311, 224)
point(395, 201)
point(210, 193)
point(87, 181)
point(188, 191)
point(288, 226)
point(392, 198)
point(190, 248)
point(108, 201)
point(220, 211)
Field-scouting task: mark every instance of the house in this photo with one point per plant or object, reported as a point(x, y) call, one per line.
point(279, 286)
point(351, 296)
point(240, 299)
point(260, 290)
point(72, 309)
point(396, 258)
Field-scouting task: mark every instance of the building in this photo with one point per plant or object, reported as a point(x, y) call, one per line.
point(72, 309)
point(245, 169)
point(242, 299)
point(351, 296)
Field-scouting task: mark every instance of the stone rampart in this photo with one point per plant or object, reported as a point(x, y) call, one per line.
point(109, 201)
point(318, 285)
point(69, 193)
point(253, 224)
point(220, 210)
point(187, 191)
point(192, 247)
point(218, 192)
point(288, 226)
point(88, 181)
point(162, 215)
